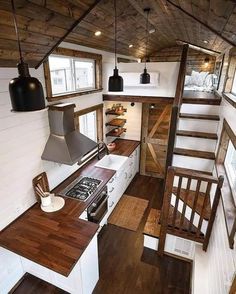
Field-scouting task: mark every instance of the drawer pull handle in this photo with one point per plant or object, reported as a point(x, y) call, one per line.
point(130, 176)
point(131, 163)
point(112, 189)
point(126, 175)
point(111, 180)
point(112, 204)
point(131, 156)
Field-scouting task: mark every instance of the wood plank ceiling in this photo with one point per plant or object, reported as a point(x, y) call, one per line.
point(43, 22)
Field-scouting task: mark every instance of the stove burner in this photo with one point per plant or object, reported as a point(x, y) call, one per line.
point(81, 189)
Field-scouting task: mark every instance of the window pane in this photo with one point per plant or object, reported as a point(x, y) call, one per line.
point(84, 74)
point(234, 85)
point(88, 125)
point(61, 74)
point(230, 166)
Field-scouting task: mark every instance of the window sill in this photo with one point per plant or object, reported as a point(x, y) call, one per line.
point(231, 98)
point(71, 95)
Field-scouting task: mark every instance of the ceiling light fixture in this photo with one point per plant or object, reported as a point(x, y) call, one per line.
point(205, 41)
point(145, 76)
point(131, 46)
point(98, 33)
point(115, 83)
point(26, 92)
point(151, 31)
point(206, 61)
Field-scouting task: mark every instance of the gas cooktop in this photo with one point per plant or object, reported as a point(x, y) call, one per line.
point(81, 188)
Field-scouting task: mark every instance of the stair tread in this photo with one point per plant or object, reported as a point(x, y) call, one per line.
point(152, 226)
point(190, 198)
point(200, 116)
point(203, 135)
point(198, 97)
point(194, 153)
point(185, 226)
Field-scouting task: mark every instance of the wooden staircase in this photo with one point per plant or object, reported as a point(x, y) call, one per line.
point(187, 211)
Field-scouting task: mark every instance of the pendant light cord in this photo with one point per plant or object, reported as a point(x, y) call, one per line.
point(16, 29)
point(147, 39)
point(115, 33)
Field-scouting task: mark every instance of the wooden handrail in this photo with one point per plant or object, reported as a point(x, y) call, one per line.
point(186, 210)
point(176, 106)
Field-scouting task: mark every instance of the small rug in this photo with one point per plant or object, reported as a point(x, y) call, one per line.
point(128, 212)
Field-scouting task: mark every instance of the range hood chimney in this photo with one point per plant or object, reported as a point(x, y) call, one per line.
point(65, 144)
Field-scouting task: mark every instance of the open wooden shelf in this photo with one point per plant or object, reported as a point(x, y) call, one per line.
point(116, 122)
point(114, 112)
point(112, 133)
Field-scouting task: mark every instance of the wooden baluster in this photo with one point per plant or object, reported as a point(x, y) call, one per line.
point(185, 199)
point(194, 205)
point(213, 212)
point(177, 201)
point(207, 194)
point(165, 209)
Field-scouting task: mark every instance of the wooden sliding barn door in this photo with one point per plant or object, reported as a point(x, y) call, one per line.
point(155, 128)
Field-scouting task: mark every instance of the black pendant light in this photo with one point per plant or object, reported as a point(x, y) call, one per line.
point(145, 76)
point(115, 82)
point(26, 92)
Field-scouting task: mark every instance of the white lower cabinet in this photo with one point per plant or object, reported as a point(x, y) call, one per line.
point(83, 277)
point(120, 181)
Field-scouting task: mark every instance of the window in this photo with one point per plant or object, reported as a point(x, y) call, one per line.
point(233, 90)
point(88, 125)
point(230, 167)
point(226, 166)
point(70, 73)
point(89, 122)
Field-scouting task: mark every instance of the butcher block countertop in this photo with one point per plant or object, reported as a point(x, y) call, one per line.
point(57, 240)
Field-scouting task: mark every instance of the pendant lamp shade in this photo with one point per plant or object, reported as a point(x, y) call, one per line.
point(26, 92)
point(115, 83)
point(145, 76)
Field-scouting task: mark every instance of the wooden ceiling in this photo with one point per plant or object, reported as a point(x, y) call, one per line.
point(43, 22)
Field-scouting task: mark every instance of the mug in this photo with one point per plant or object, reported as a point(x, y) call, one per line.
point(46, 201)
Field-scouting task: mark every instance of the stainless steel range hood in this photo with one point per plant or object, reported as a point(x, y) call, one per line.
point(65, 144)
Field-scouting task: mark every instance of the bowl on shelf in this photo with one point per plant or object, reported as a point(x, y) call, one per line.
point(111, 146)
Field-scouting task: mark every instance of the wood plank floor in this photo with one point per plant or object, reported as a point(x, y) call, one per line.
point(125, 267)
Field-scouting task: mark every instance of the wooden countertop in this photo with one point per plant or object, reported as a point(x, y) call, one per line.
point(57, 240)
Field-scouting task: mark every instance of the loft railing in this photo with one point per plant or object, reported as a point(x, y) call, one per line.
point(176, 106)
point(189, 206)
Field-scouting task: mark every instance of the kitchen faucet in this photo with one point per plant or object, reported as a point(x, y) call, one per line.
point(104, 146)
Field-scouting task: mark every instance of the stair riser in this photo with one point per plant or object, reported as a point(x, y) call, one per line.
point(198, 125)
point(188, 213)
point(200, 164)
point(195, 143)
point(200, 109)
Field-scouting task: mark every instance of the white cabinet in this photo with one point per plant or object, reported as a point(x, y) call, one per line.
point(83, 277)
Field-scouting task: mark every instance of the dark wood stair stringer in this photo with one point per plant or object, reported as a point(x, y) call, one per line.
point(195, 153)
point(202, 135)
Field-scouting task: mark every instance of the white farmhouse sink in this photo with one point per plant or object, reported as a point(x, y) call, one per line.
point(111, 161)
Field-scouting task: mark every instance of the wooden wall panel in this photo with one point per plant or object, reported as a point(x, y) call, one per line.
point(195, 58)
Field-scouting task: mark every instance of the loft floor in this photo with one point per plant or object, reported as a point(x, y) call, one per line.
point(125, 267)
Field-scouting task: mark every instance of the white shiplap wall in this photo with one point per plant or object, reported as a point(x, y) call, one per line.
point(22, 140)
point(133, 117)
point(220, 260)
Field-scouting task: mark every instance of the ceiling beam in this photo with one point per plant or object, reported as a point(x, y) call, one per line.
point(74, 25)
point(200, 48)
point(202, 23)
